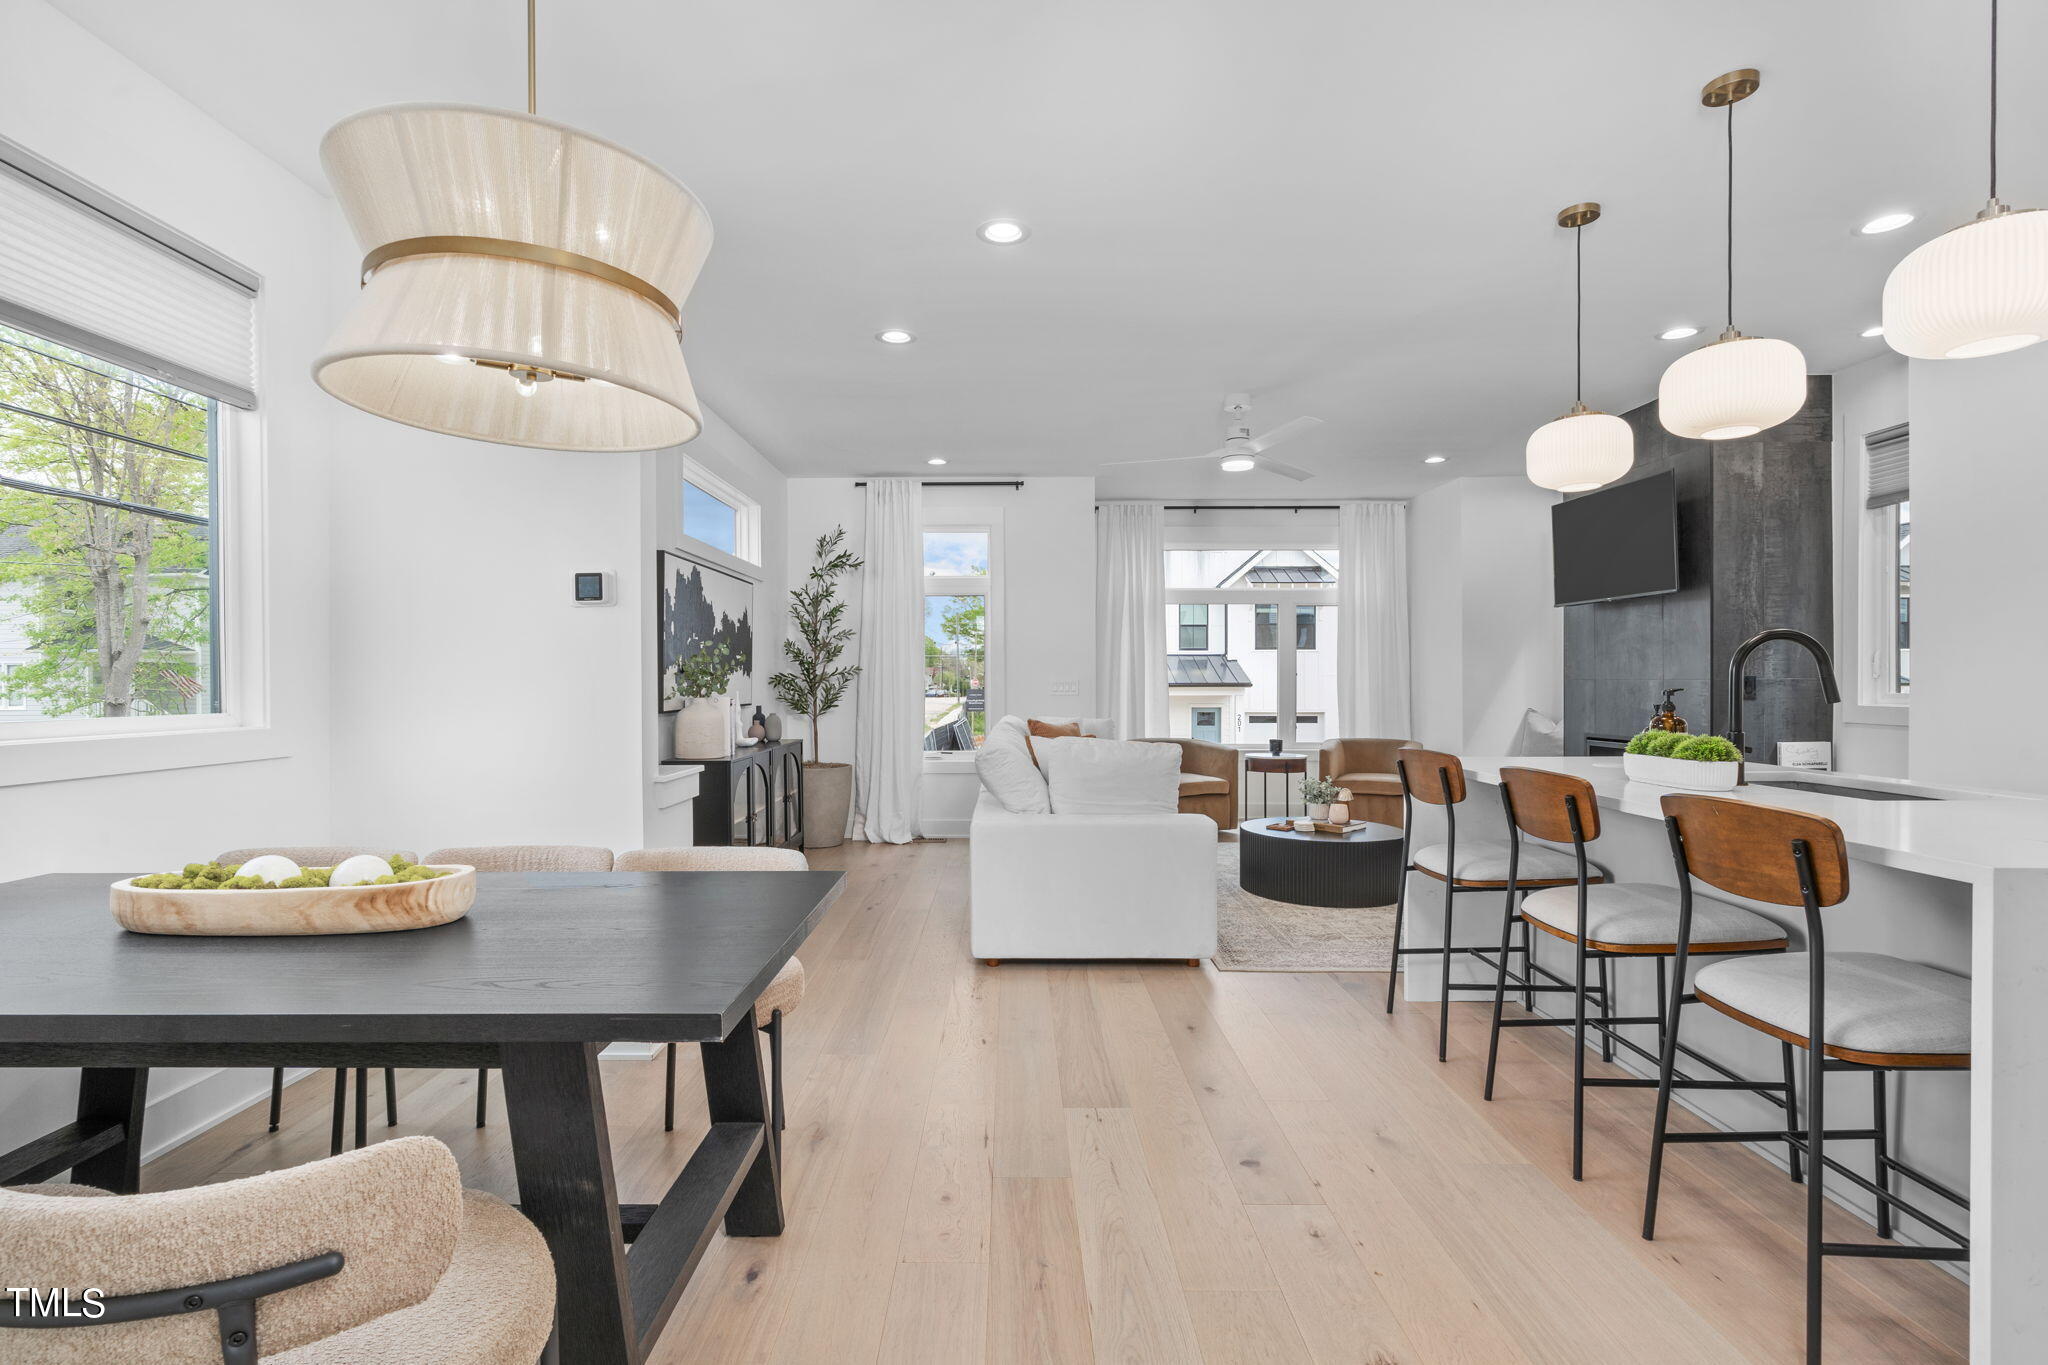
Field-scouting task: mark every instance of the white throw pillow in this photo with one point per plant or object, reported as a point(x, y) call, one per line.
point(1005, 768)
point(1110, 776)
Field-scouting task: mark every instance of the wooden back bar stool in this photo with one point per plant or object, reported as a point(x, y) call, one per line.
point(1438, 779)
point(1858, 1012)
point(1603, 921)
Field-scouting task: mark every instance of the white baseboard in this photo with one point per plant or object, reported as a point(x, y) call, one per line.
point(945, 829)
point(176, 1113)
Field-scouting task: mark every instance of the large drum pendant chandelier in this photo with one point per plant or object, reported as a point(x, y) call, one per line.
point(1737, 385)
point(1585, 448)
point(1979, 289)
point(522, 281)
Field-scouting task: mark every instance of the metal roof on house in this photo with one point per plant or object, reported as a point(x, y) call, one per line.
point(1290, 573)
point(1204, 670)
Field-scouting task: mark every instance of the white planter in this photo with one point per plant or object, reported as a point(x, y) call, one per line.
point(704, 729)
point(1319, 812)
point(1682, 773)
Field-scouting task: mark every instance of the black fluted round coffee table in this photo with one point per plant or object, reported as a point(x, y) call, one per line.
point(1340, 871)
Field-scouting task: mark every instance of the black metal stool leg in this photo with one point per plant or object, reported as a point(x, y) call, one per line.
point(340, 1109)
point(1816, 1138)
point(483, 1095)
point(1606, 1012)
point(1883, 1174)
point(1793, 1159)
point(1579, 1055)
point(1528, 965)
point(1667, 1062)
point(390, 1098)
point(1500, 986)
point(1660, 1004)
point(1400, 909)
point(668, 1103)
point(362, 1106)
point(276, 1095)
point(1443, 1001)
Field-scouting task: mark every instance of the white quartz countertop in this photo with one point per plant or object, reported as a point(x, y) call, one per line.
point(1964, 835)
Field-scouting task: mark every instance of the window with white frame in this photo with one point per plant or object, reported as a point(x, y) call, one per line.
point(1885, 582)
point(123, 344)
point(1234, 673)
point(715, 513)
point(960, 619)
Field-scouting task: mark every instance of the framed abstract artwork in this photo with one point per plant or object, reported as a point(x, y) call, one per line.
point(697, 604)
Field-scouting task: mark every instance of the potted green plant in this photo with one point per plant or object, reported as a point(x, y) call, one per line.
point(1672, 758)
point(704, 727)
point(816, 682)
point(1317, 793)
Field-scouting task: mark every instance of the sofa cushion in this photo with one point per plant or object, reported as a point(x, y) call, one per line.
point(1009, 775)
point(1110, 776)
point(1874, 1003)
point(1371, 784)
point(1201, 784)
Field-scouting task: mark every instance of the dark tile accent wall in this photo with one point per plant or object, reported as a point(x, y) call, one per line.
point(1755, 550)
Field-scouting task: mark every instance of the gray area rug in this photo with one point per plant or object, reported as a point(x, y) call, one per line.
point(1254, 934)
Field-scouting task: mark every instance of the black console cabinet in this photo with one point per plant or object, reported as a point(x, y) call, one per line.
point(756, 797)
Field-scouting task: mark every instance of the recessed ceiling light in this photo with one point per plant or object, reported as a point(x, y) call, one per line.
point(936, 459)
point(1677, 333)
point(1003, 232)
point(1885, 222)
point(1873, 331)
point(895, 336)
point(1432, 459)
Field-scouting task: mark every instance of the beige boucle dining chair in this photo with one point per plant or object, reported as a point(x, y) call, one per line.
point(375, 1257)
point(518, 858)
point(326, 855)
point(780, 997)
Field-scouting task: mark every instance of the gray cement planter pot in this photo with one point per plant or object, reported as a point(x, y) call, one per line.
point(828, 795)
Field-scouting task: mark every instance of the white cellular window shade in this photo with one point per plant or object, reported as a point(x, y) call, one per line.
point(1887, 465)
point(83, 269)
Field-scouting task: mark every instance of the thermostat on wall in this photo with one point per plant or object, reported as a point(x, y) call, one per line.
point(593, 589)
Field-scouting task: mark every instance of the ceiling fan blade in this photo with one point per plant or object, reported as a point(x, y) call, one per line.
point(1168, 459)
point(1285, 471)
point(1286, 431)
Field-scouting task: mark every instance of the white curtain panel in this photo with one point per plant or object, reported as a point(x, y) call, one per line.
point(1130, 617)
point(889, 713)
point(1372, 620)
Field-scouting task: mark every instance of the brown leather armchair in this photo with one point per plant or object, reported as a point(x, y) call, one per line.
point(1366, 766)
point(1208, 779)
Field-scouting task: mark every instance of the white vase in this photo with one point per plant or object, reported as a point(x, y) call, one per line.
point(1319, 813)
point(704, 728)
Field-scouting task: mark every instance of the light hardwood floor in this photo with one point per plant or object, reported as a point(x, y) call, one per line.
point(1138, 1163)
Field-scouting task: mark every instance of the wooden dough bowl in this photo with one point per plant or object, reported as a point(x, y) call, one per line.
point(296, 910)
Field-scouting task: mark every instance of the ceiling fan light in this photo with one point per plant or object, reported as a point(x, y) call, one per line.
point(441, 180)
point(1238, 464)
point(1976, 290)
point(1734, 387)
point(1580, 451)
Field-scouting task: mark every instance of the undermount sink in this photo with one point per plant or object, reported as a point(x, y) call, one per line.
point(1833, 789)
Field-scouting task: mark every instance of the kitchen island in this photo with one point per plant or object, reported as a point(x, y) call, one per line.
point(1957, 879)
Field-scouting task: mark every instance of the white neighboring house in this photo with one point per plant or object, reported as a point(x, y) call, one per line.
point(1223, 658)
point(14, 646)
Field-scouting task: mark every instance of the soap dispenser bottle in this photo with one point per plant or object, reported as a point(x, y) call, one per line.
point(1666, 717)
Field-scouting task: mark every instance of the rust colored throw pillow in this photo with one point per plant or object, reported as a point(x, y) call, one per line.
point(1040, 730)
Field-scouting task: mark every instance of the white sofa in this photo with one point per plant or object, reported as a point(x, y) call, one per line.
point(1139, 885)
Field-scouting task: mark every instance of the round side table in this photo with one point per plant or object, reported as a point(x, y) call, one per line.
point(1341, 871)
point(1288, 765)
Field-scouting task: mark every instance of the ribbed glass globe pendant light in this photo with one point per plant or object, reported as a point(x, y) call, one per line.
point(522, 281)
point(1737, 385)
point(1584, 448)
point(1979, 289)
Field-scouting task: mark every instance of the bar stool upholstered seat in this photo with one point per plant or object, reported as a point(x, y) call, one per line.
point(1486, 864)
point(1642, 917)
point(1876, 1006)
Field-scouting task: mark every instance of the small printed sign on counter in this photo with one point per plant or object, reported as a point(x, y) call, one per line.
point(1817, 754)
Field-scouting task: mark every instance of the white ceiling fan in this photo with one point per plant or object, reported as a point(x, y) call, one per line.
point(1241, 451)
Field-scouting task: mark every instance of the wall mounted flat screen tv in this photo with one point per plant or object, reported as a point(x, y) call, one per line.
point(1619, 542)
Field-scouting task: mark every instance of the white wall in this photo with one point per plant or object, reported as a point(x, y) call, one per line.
point(70, 98)
point(1485, 642)
point(1980, 569)
point(1867, 397)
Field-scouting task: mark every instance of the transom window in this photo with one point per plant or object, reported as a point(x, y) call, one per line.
point(718, 515)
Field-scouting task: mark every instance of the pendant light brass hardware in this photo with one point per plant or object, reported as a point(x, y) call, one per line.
point(529, 373)
point(1578, 215)
point(1730, 88)
point(521, 251)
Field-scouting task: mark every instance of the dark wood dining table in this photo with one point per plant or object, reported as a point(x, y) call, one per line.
point(545, 970)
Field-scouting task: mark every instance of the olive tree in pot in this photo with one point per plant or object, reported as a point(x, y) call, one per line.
point(704, 727)
point(816, 682)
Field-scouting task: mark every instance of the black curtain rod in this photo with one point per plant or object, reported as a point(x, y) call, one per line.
point(959, 483)
point(1254, 507)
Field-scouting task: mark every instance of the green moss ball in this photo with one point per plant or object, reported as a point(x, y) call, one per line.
point(1707, 749)
point(1663, 742)
point(399, 862)
point(194, 869)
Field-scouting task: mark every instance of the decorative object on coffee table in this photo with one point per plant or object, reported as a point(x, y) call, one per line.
point(704, 726)
point(816, 682)
point(1317, 794)
point(1285, 765)
point(1340, 809)
point(1346, 871)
